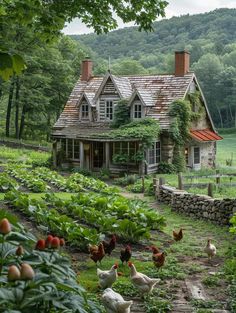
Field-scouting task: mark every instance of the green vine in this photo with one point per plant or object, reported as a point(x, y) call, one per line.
point(181, 113)
point(198, 110)
point(145, 131)
point(121, 114)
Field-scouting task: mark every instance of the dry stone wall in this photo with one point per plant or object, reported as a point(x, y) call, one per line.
point(197, 206)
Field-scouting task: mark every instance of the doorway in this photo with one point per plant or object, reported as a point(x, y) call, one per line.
point(98, 154)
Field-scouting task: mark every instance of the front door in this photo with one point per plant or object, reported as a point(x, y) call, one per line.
point(98, 154)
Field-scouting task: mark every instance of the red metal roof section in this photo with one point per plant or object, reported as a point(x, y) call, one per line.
point(204, 135)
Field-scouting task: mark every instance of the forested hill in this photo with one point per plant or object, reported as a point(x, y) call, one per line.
point(209, 37)
point(200, 34)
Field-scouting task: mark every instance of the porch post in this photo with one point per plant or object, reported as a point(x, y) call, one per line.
point(107, 154)
point(81, 154)
point(54, 153)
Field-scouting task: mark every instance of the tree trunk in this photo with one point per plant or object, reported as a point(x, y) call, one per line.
point(221, 120)
point(9, 106)
point(22, 121)
point(17, 96)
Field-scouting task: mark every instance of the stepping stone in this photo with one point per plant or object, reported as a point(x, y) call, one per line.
point(196, 290)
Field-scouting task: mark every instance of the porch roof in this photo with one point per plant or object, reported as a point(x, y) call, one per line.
point(204, 135)
point(89, 132)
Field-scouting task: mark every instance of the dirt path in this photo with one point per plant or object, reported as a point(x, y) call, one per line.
point(200, 286)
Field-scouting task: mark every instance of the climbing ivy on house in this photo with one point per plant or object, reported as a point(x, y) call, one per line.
point(121, 114)
point(181, 112)
point(196, 102)
point(145, 131)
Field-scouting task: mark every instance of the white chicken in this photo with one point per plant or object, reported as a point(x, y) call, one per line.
point(210, 249)
point(114, 302)
point(107, 278)
point(141, 281)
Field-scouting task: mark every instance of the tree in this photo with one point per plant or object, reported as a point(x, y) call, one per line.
point(47, 18)
point(128, 67)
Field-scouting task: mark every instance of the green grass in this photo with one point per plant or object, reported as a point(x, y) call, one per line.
point(23, 156)
point(226, 148)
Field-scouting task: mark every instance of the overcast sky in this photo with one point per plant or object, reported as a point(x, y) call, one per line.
point(175, 8)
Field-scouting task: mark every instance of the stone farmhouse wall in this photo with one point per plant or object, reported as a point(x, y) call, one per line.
point(197, 206)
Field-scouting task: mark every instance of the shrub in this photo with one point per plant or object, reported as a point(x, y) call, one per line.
point(166, 168)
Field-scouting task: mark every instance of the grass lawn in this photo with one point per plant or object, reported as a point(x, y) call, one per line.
point(226, 149)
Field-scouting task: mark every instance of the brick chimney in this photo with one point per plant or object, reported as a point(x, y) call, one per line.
point(182, 62)
point(86, 69)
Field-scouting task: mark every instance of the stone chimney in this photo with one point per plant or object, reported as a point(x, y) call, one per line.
point(182, 62)
point(86, 69)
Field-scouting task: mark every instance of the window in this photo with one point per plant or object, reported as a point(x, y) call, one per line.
point(154, 153)
point(109, 110)
point(84, 111)
point(196, 155)
point(137, 111)
point(129, 148)
point(71, 148)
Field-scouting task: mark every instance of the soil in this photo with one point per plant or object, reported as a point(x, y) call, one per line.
point(184, 291)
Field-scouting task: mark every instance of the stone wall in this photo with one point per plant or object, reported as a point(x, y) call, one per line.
point(197, 206)
point(14, 144)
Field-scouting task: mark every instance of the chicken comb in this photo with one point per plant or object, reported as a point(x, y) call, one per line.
point(130, 263)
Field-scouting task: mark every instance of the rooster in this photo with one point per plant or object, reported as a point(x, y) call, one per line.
point(125, 254)
point(178, 235)
point(92, 248)
point(114, 302)
point(107, 278)
point(98, 255)
point(210, 249)
point(141, 281)
point(110, 245)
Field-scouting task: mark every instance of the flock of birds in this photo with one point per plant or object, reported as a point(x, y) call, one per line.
point(113, 301)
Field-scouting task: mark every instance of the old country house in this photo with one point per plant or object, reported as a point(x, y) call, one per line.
point(90, 109)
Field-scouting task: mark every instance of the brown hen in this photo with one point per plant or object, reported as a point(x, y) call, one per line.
point(178, 235)
point(98, 255)
point(110, 245)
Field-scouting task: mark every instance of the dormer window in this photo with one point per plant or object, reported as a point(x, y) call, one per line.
point(137, 111)
point(109, 110)
point(84, 111)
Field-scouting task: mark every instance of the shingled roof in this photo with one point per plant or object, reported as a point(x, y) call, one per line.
point(157, 92)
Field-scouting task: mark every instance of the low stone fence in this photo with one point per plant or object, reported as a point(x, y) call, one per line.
point(16, 144)
point(197, 206)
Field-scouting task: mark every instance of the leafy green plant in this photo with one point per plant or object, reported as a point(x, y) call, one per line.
point(49, 283)
point(211, 281)
point(166, 168)
point(155, 305)
point(7, 183)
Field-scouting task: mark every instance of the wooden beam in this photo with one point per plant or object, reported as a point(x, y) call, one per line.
point(81, 154)
point(107, 154)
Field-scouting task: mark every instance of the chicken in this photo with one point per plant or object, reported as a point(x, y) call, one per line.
point(98, 255)
point(141, 281)
point(178, 235)
point(154, 249)
point(125, 254)
point(114, 302)
point(107, 278)
point(159, 259)
point(109, 246)
point(92, 248)
point(210, 249)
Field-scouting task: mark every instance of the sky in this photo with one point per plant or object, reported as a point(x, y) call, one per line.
point(175, 8)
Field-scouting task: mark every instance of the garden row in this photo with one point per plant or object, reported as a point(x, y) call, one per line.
point(37, 180)
point(86, 216)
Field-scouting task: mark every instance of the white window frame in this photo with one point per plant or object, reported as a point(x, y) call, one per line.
point(137, 112)
point(82, 111)
point(156, 156)
point(109, 105)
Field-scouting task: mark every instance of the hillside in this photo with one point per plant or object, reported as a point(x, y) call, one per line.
point(210, 38)
point(199, 34)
